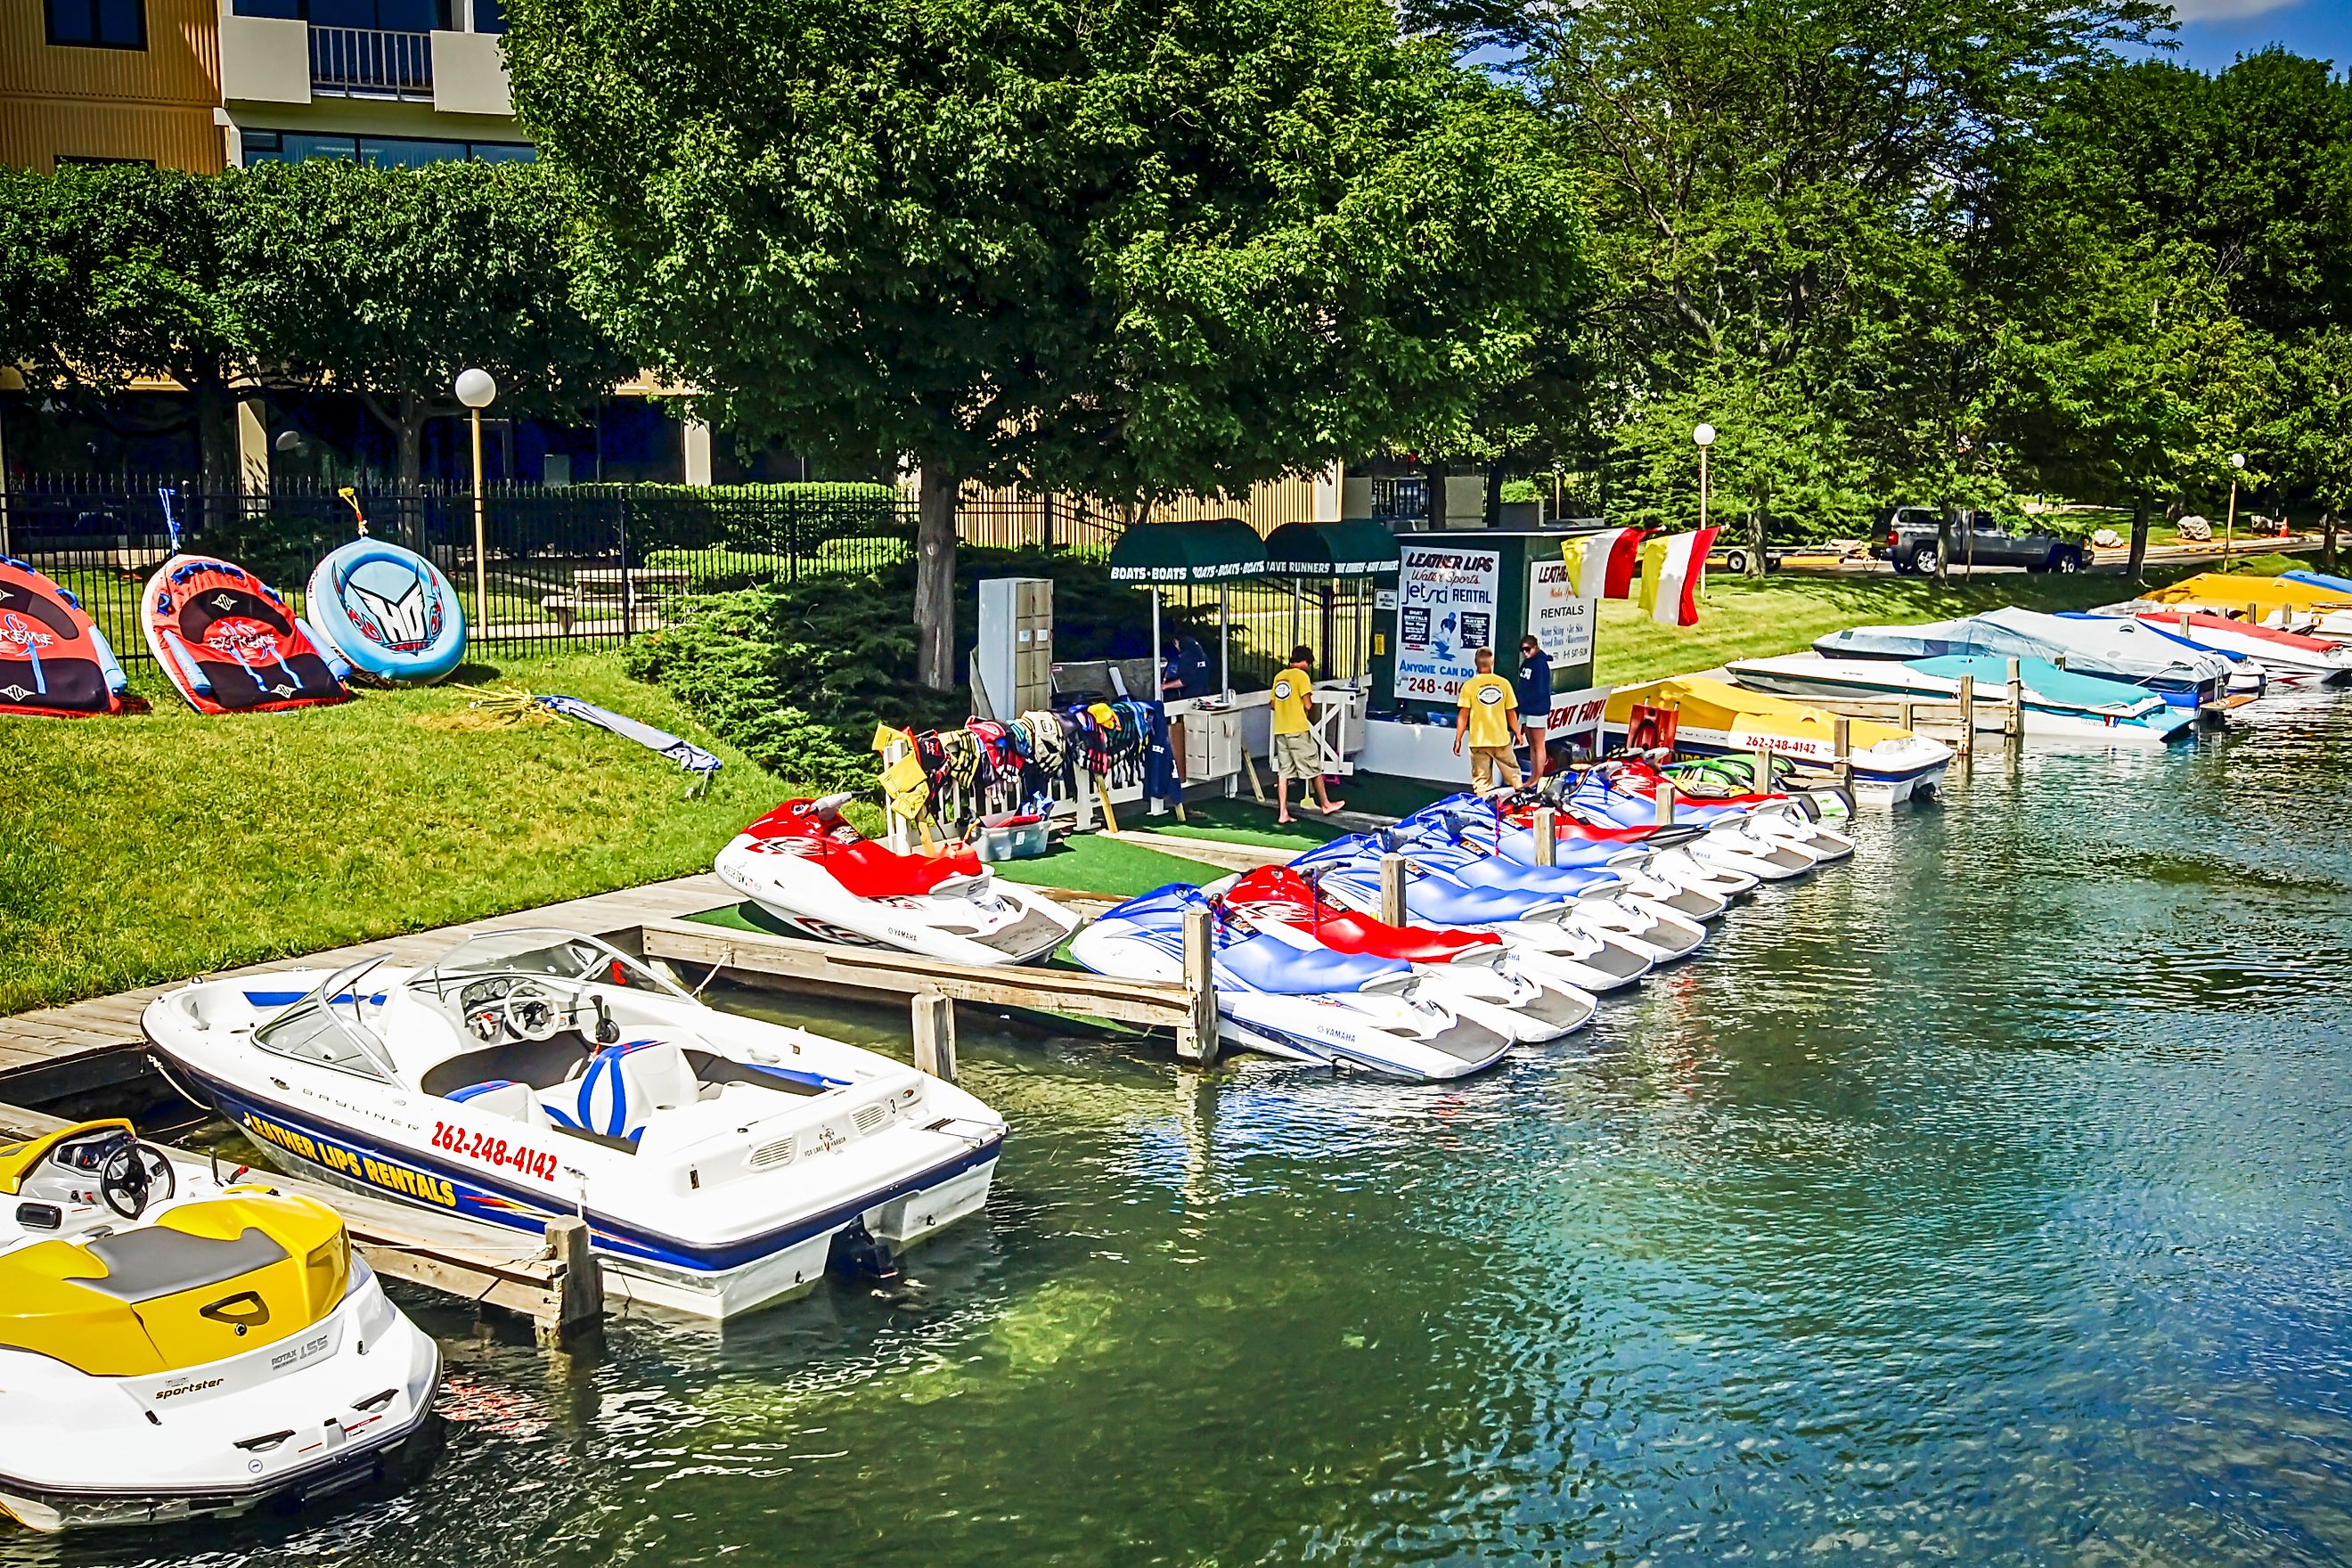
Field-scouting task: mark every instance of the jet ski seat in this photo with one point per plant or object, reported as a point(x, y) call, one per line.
point(870, 870)
point(1268, 963)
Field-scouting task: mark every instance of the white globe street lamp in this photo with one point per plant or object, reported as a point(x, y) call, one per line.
point(476, 390)
point(1703, 436)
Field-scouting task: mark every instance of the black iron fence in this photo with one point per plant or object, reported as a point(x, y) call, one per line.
point(583, 565)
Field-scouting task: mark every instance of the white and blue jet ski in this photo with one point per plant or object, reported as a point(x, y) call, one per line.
point(1545, 923)
point(1299, 1000)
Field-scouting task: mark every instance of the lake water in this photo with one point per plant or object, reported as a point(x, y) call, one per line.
point(1983, 1201)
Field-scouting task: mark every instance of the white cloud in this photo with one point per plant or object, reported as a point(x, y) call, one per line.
point(2224, 10)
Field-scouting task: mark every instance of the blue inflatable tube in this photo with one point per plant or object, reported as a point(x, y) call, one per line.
point(389, 610)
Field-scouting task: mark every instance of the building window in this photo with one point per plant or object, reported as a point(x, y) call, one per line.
point(382, 151)
point(489, 16)
point(284, 10)
point(98, 24)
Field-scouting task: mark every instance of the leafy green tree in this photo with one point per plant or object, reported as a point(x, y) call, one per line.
point(113, 272)
point(387, 282)
point(1126, 248)
point(1794, 209)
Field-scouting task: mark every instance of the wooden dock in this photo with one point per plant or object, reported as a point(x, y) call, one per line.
point(89, 1048)
point(82, 1047)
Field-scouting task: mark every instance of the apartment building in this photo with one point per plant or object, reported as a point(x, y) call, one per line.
point(111, 81)
point(198, 84)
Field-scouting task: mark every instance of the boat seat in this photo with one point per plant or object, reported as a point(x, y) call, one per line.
point(623, 1086)
point(501, 1097)
point(1269, 964)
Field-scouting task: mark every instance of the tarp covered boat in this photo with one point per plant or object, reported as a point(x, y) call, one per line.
point(2059, 705)
point(53, 659)
point(2119, 650)
point(2274, 601)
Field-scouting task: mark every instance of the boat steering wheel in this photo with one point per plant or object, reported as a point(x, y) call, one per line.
point(532, 1012)
point(134, 1175)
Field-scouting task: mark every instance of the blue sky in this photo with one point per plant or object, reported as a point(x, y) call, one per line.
point(2215, 32)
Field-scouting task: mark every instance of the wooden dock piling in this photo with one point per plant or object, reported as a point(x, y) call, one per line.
point(1199, 1030)
point(1547, 830)
point(1967, 701)
point(1393, 888)
point(2015, 726)
point(934, 1024)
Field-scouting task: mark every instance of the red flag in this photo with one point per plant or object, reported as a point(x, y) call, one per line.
point(1679, 576)
point(1625, 560)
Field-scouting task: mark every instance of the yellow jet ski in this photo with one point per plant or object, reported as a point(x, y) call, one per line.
point(172, 1346)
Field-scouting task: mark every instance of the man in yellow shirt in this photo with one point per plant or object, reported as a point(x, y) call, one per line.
point(1489, 720)
point(1293, 736)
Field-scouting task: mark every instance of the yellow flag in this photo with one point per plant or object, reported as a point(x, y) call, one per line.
point(1654, 562)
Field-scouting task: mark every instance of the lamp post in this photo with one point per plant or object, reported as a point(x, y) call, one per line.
point(1704, 437)
point(475, 390)
point(2230, 521)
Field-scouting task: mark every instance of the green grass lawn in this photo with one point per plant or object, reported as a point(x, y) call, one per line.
point(156, 846)
point(1741, 617)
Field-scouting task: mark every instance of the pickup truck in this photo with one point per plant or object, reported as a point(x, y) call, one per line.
point(1906, 536)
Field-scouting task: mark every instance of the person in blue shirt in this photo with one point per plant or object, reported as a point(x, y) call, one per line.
point(1185, 669)
point(1533, 684)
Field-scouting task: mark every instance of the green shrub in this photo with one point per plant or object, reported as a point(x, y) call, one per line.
point(797, 674)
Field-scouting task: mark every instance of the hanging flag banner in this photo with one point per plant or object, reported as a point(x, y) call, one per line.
point(1603, 563)
point(1672, 598)
point(1559, 616)
point(1445, 613)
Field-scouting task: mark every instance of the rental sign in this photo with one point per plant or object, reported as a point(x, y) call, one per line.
point(1445, 613)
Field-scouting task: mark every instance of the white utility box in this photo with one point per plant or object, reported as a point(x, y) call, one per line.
point(1012, 665)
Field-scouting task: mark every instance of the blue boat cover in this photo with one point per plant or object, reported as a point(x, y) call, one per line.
point(2044, 682)
point(2320, 580)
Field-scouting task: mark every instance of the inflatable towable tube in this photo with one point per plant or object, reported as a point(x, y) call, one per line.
point(226, 639)
point(390, 611)
point(54, 661)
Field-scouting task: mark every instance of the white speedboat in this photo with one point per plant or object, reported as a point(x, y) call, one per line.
point(172, 1347)
point(2061, 706)
point(811, 869)
point(720, 1162)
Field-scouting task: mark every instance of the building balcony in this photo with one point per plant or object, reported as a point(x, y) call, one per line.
point(367, 62)
point(275, 60)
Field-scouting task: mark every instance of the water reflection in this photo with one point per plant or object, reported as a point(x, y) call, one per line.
point(1982, 1201)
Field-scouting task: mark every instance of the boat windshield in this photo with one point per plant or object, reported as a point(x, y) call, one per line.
point(329, 1026)
point(566, 955)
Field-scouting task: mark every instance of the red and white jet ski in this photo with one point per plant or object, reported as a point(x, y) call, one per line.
point(1471, 966)
point(810, 869)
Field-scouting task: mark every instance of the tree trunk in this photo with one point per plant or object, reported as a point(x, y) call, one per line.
point(2137, 567)
point(935, 561)
point(410, 433)
point(2327, 538)
point(216, 434)
point(1432, 478)
point(1756, 530)
point(1493, 516)
point(1944, 544)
